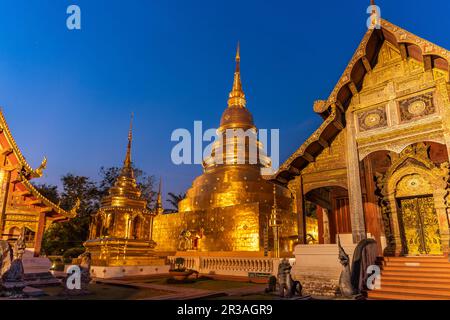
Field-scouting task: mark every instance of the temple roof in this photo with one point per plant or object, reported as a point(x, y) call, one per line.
point(350, 83)
point(25, 173)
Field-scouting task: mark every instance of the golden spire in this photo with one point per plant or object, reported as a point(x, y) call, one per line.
point(237, 96)
point(159, 207)
point(127, 163)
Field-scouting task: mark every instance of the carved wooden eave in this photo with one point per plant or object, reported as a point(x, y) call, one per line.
point(23, 186)
point(20, 159)
point(50, 208)
point(311, 148)
point(350, 83)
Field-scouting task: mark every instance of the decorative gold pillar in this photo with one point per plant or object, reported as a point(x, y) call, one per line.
point(296, 187)
point(354, 182)
point(5, 185)
point(39, 234)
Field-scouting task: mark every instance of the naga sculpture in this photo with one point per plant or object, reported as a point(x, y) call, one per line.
point(288, 287)
point(12, 272)
point(352, 281)
point(345, 283)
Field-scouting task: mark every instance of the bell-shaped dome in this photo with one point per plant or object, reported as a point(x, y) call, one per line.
point(236, 117)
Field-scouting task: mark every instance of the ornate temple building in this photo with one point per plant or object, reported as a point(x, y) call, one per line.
point(120, 235)
point(23, 208)
point(228, 207)
point(378, 165)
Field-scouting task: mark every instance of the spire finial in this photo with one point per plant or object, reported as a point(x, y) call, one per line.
point(372, 2)
point(159, 207)
point(127, 162)
point(237, 96)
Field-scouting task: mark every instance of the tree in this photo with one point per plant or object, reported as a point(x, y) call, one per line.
point(48, 191)
point(174, 199)
point(71, 234)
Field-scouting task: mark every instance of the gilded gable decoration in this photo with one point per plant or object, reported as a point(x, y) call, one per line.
point(372, 119)
point(416, 107)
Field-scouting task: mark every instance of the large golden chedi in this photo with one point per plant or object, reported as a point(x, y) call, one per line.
point(120, 232)
point(228, 207)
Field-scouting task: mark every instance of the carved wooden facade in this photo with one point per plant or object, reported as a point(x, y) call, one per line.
point(23, 208)
point(388, 117)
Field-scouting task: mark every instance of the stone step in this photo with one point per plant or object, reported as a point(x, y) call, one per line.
point(438, 264)
point(413, 285)
point(389, 295)
point(425, 269)
point(416, 274)
point(407, 279)
point(416, 259)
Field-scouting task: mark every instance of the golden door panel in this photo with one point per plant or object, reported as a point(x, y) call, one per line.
point(421, 226)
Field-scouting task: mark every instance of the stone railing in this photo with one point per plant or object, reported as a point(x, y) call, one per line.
point(236, 266)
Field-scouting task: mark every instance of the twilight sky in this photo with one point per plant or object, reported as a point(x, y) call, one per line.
point(68, 95)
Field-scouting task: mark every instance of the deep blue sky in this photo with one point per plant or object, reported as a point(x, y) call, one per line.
point(68, 94)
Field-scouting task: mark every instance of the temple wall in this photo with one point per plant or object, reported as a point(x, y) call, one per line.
point(233, 228)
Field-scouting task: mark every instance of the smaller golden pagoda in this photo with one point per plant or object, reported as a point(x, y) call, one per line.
point(121, 231)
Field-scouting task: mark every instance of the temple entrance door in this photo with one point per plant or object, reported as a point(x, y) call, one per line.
point(420, 226)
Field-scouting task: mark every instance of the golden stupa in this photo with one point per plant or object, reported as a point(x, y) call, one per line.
point(121, 231)
point(228, 207)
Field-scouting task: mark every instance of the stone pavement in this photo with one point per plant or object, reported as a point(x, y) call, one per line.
point(185, 293)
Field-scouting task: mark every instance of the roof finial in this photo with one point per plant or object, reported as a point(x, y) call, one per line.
point(237, 96)
point(127, 162)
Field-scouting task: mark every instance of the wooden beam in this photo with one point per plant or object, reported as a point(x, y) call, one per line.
point(7, 151)
point(339, 106)
point(23, 193)
point(366, 64)
point(308, 157)
point(323, 143)
point(353, 88)
point(428, 62)
point(294, 170)
point(282, 180)
point(403, 51)
point(338, 125)
point(46, 210)
point(34, 202)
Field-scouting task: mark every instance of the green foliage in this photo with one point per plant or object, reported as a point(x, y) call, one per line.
point(174, 199)
point(72, 253)
point(62, 236)
point(48, 191)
